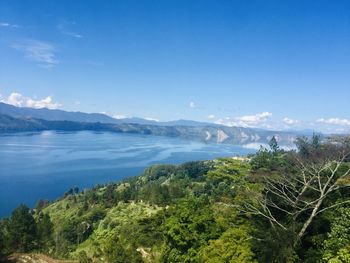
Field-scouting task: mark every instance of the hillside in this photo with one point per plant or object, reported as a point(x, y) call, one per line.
point(250, 210)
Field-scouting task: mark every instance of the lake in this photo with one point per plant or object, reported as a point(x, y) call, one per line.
point(44, 165)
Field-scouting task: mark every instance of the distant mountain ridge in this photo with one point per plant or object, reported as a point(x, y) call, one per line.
point(22, 119)
point(54, 115)
point(209, 133)
point(61, 115)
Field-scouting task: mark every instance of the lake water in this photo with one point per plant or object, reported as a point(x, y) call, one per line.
point(44, 165)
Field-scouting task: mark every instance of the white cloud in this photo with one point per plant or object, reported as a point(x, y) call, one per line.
point(290, 121)
point(119, 116)
point(18, 100)
point(15, 99)
point(211, 117)
point(122, 116)
point(151, 119)
point(43, 103)
point(334, 121)
point(258, 120)
point(38, 51)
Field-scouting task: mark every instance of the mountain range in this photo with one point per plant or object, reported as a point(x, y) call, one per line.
point(18, 119)
point(61, 115)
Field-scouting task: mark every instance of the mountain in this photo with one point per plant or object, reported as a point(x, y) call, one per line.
point(21, 119)
point(186, 123)
point(54, 115)
point(11, 124)
point(61, 115)
point(208, 133)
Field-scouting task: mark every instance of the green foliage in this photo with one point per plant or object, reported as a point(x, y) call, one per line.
point(115, 251)
point(342, 256)
point(2, 239)
point(274, 245)
point(45, 231)
point(269, 161)
point(297, 187)
point(41, 204)
point(189, 227)
point(95, 214)
point(22, 231)
point(186, 213)
point(274, 145)
point(83, 258)
point(336, 246)
point(228, 171)
point(306, 146)
point(235, 245)
point(156, 172)
point(223, 181)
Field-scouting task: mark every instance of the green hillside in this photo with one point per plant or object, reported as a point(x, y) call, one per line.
point(275, 206)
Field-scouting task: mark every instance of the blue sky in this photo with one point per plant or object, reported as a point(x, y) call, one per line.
point(269, 64)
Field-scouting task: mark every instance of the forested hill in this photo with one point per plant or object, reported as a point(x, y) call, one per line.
point(209, 133)
point(275, 206)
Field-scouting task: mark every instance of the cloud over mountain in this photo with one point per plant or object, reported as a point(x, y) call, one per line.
point(290, 121)
point(258, 120)
point(18, 100)
point(335, 121)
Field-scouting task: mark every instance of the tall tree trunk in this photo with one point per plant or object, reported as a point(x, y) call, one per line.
point(308, 221)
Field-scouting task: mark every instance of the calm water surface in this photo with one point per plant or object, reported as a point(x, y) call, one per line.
point(44, 165)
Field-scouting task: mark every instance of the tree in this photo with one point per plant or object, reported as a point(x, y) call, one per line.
point(76, 190)
point(189, 227)
point(342, 256)
point(299, 197)
point(44, 230)
point(114, 251)
point(274, 145)
point(233, 246)
point(41, 204)
point(306, 147)
point(22, 229)
point(336, 246)
point(2, 240)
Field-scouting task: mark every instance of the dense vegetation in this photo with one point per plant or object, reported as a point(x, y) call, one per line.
point(276, 206)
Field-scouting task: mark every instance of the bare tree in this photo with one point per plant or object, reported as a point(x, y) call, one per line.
point(301, 196)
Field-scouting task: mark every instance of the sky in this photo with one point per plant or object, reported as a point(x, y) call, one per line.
point(263, 63)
